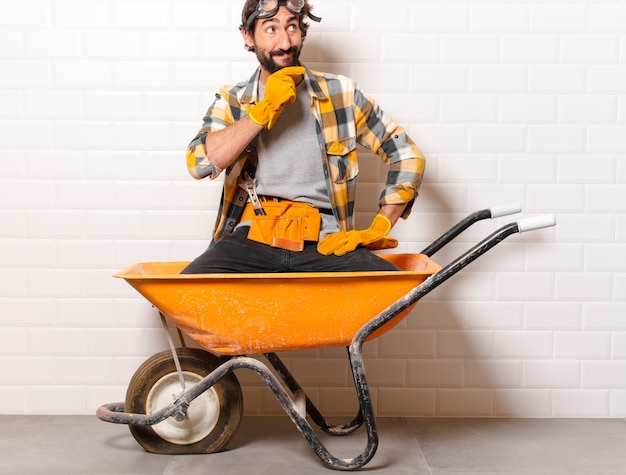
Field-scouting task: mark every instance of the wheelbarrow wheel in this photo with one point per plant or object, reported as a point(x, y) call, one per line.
point(212, 419)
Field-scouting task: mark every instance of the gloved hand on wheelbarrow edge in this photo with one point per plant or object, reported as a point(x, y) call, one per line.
point(375, 237)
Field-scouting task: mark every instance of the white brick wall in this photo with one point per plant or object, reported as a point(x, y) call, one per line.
point(519, 101)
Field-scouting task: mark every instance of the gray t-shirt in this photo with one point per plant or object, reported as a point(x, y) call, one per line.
point(290, 159)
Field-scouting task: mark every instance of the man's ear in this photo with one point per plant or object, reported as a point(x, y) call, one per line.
point(248, 38)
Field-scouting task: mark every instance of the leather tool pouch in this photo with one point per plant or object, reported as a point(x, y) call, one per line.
point(286, 224)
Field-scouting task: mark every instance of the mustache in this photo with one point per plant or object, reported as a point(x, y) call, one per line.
point(280, 52)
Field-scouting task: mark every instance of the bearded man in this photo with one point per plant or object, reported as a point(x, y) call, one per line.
point(286, 142)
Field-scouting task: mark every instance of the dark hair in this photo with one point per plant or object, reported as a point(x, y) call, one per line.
point(251, 6)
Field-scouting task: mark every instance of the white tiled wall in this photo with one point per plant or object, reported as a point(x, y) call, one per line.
point(511, 101)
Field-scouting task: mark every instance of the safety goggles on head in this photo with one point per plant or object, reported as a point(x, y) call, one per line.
point(269, 8)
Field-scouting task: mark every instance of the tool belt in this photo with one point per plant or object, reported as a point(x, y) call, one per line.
point(285, 224)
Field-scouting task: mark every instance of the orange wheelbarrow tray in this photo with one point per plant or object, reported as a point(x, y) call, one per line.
point(187, 400)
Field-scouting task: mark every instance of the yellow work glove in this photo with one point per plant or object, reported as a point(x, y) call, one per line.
point(375, 237)
point(280, 88)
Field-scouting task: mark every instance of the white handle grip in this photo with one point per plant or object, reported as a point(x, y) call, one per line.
point(505, 210)
point(536, 222)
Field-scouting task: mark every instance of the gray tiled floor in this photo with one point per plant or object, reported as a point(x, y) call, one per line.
point(66, 445)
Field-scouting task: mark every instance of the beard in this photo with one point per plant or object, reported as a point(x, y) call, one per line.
point(267, 60)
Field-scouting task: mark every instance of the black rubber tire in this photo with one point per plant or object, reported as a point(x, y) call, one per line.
point(226, 397)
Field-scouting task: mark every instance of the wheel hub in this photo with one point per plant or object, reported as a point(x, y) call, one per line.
point(201, 416)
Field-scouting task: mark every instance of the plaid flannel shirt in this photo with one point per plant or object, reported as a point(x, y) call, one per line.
point(345, 117)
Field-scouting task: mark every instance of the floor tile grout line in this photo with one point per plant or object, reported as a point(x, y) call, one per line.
point(417, 444)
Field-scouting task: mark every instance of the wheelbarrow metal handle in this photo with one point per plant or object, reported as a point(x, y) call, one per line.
point(448, 271)
point(461, 226)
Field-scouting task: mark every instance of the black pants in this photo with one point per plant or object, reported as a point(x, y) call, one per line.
point(235, 253)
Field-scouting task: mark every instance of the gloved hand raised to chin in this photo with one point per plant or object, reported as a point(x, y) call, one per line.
point(280, 88)
point(375, 237)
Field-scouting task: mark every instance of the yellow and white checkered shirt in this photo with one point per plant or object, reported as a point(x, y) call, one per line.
point(346, 117)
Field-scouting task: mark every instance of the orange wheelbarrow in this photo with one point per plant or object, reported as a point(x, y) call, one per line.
point(187, 400)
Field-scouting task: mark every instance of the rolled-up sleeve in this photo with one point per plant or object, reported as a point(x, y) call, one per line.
point(218, 117)
point(385, 137)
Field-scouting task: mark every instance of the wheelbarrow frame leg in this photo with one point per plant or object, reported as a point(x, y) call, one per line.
point(311, 409)
point(365, 416)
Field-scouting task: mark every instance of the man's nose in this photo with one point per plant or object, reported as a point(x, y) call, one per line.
point(284, 40)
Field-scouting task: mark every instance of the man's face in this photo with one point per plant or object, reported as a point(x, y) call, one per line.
point(277, 41)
